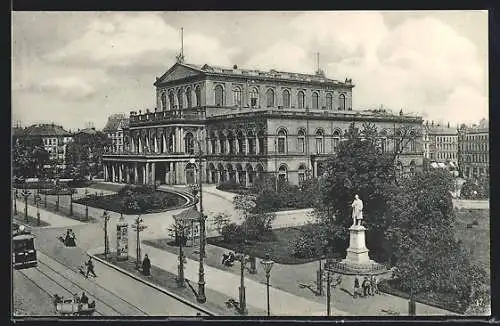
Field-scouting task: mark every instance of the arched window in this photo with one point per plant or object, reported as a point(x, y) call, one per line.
point(301, 141)
point(254, 97)
point(171, 99)
point(219, 96)
point(300, 99)
point(270, 98)
point(189, 143)
point(342, 102)
point(329, 101)
point(283, 173)
point(319, 142)
point(241, 142)
point(302, 173)
point(251, 142)
point(231, 141)
point(163, 101)
point(237, 96)
point(222, 143)
point(336, 140)
point(281, 141)
point(188, 97)
point(180, 98)
point(315, 100)
point(190, 173)
point(286, 99)
point(197, 92)
point(413, 142)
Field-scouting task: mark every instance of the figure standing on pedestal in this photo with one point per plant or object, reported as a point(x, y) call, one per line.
point(357, 211)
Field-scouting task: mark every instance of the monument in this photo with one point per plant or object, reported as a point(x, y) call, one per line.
point(121, 239)
point(357, 260)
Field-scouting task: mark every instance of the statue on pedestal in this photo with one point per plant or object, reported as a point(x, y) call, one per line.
point(357, 211)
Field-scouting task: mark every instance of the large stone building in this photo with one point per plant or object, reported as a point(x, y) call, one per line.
point(247, 123)
point(52, 137)
point(474, 150)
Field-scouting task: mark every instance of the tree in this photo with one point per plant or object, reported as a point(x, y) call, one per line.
point(255, 223)
point(358, 168)
point(29, 159)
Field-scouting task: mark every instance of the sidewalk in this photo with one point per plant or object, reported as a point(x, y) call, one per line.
point(227, 283)
point(55, 220)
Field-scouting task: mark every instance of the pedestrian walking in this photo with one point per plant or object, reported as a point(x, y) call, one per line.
point(90, 268)
point(356, 287)
point(376, 285)
point(365, 286)
point(146, 266)
point(372, 285)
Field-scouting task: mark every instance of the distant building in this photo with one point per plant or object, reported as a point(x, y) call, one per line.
point(115, 129)
point(53, 138)
point(474, 150)
point(441, 145)
point(248, 123)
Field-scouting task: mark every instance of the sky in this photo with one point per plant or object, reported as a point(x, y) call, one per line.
point(72, 68)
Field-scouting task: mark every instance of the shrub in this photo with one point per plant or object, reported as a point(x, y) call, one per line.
point(303, 246)
point(231, 185)
point(232, 233)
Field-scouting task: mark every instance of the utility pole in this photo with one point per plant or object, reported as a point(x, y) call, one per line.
point(106, 218)
point(201, 274)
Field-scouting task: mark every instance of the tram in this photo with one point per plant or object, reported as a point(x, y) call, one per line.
point(23, 249)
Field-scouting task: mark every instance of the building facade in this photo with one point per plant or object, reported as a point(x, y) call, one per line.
point(52, 137)
point(474, 150)
point(246, 123)
point(116, 129)
point(441, 144)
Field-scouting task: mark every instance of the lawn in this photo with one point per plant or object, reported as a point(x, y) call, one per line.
point(277, 246)
point(476, 238)
point(156, 201)
point(32, 221)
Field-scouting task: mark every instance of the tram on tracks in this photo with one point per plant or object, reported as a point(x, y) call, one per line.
point(24, 254)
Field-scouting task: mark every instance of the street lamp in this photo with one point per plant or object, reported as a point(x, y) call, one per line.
point(25, 193)
point(15, 202)
point(38, 199)
point(71, 201)
point(267, 263)
point(106, 218)
point(86, 204)
point(200, 296)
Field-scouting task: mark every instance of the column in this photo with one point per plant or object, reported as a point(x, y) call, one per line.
point(105, 168)
point(132, 147)
point(153, 175)
point(113, 175)
point(120, 173)
point(167, 168)
point(227, 145)
point(257, 145)
point(156, 143)
point(315, 174)
point(247, 179)
point(128, 173)
point(181, 140)
point(146, 173)
point(139, 144)
point(136, 176)
point(246, 146)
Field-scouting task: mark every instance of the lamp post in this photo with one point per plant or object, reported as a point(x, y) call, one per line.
point(25, 193)
point(86, 204)
point(330, 284)
point(71, 201)
point(267, 263)
point(179, 231)
point(201, 297)
point(45, 199)
point(15, 202)
point(38, 199)
point(106, 218)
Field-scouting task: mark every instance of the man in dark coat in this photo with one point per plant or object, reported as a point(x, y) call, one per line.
point(356, 287)
point(365, 287)
point(146, 266)
point(84, 299)
point(90, 268)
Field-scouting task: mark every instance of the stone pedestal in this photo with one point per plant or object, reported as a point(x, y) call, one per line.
point(357, 261)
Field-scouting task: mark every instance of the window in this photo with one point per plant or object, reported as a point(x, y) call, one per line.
point(300, 99)
point(188, 97)
point(219, 96)
point(413, 143)
point(180, 95)
point(222, 143)
point(301, 141)
point(329, 101)
point(302, 173)
point(342, 102)
point(197, 92)
point(315, 100)
point(281, 141)
point(270, 98)
point(254, 97)
point(251, 142)
point(171, 100)
point(336, 140)
point(237, 96)
point(163, 101)
point(319, 142)
point(286, 99)
point(282, 173)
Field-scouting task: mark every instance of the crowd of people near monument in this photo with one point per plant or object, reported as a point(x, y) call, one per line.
point(369, 286)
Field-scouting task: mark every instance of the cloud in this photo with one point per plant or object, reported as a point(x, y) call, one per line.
point(69, 87)
point(421, 65)
point(145, 39)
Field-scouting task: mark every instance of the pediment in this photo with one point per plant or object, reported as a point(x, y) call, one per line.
point(177, 72)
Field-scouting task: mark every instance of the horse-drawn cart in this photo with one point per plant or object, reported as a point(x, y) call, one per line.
point(73, 307)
